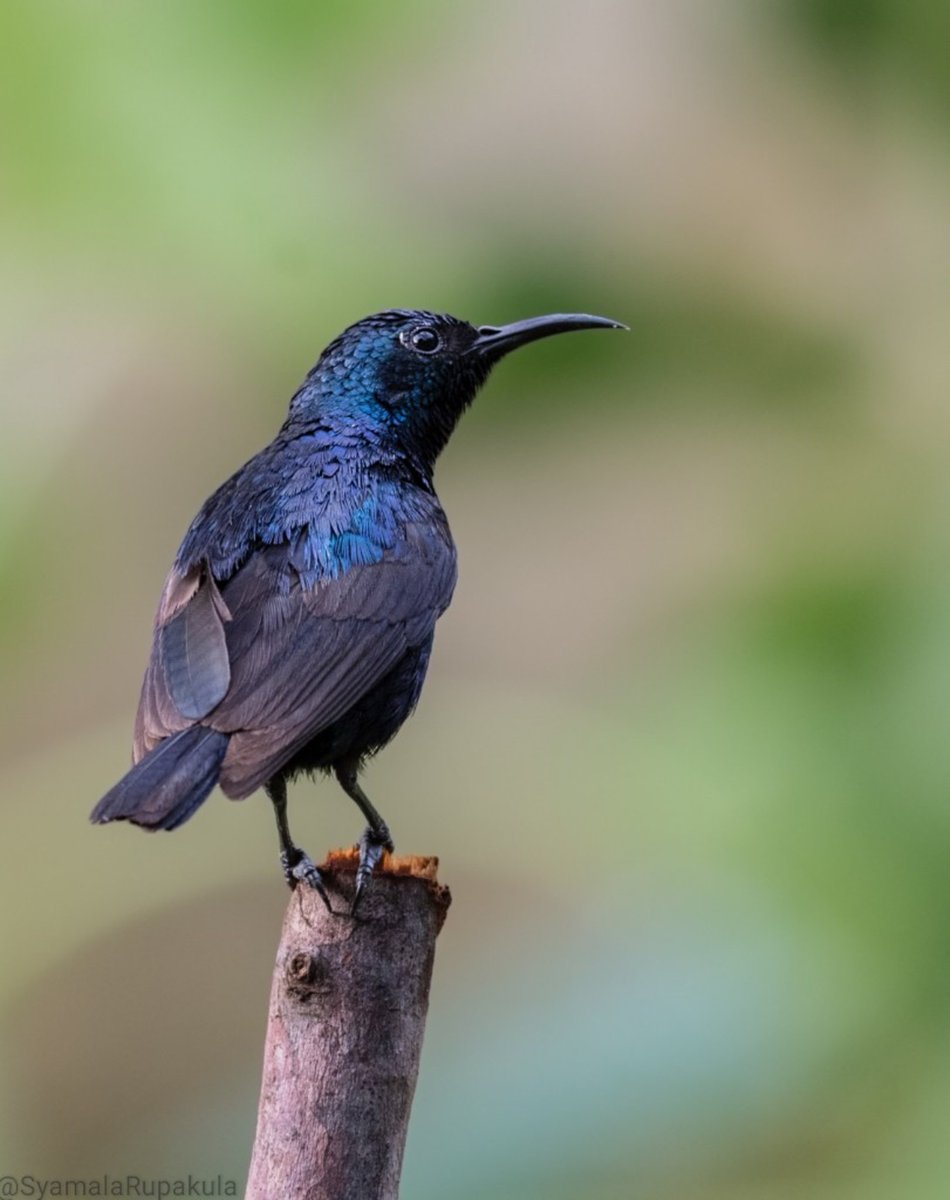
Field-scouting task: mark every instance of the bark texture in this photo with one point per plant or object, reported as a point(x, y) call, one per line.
point(347, 1015)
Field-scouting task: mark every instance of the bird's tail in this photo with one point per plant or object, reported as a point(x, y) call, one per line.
point(165, 787)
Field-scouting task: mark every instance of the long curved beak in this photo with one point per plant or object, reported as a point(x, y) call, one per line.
point(493, 341)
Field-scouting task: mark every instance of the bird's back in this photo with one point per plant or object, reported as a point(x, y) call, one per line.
point(305, 579)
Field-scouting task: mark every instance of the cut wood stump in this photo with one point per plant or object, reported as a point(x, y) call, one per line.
point(347, 1015)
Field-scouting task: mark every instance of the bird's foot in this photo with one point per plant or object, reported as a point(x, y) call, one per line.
point(300, 868)
point(372, 845)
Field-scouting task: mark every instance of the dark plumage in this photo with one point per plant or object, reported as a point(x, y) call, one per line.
point(295, 626)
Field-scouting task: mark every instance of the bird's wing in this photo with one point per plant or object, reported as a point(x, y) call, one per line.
point(296, 658)
point(189, 671)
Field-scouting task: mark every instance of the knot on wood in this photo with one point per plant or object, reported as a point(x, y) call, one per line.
point(307, 976)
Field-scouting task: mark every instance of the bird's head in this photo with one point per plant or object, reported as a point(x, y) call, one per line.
point(412, 373)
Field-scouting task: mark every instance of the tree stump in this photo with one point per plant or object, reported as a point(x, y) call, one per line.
point(347, 1015)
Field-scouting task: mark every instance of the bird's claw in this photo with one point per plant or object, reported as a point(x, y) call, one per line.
point(302, 869)
point(373, 843)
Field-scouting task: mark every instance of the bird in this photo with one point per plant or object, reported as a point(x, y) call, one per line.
point(295, 626)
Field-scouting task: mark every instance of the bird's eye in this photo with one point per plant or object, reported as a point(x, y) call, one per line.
point(424, 339)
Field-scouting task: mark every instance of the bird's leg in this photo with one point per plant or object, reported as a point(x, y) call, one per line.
point(298, 867)
point(376, 838)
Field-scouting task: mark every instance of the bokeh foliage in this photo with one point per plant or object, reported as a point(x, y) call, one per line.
point(683, 748)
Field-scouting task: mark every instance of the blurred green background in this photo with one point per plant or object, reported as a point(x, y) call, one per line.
point(683, 748)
